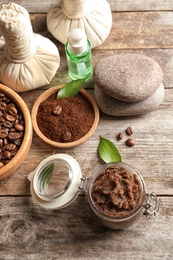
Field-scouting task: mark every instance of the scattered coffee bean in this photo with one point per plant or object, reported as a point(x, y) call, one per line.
point(130, 142)
point(67, 136)
point(129, 131)
point(57, 110)
point(120, 136)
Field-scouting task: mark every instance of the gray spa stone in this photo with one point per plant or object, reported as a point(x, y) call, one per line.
point(114, 107)
point(128, 77)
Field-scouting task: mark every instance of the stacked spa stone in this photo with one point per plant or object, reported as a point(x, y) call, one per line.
point(128, 84)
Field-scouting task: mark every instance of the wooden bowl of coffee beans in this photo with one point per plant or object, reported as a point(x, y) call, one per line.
point(15, 131)
point(65, 122)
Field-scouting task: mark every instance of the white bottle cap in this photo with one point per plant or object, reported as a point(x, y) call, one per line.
point(77, 41)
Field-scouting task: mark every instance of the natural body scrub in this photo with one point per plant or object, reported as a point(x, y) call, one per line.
point(116, 195)
point(27, 60)
point(128, 84)
point(116, 191)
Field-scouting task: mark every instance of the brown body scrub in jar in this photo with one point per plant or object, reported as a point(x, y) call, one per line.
point(116, 194)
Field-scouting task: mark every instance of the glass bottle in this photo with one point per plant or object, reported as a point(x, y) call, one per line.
point(79, 56)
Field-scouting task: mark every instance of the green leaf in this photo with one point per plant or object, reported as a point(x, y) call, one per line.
point(71, 88)
point(108, 151)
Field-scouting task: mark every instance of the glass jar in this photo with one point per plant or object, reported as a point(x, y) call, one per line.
point(55, 182)
point(115, 193)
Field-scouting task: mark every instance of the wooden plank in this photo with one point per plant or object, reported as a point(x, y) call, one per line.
point(42, 6)
point(142, 30)
point(145, 5)
point(152, 155)
point(32, 233)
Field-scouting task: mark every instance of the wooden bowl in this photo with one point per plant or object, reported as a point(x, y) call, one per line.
point(19, 157)
point(43, 97)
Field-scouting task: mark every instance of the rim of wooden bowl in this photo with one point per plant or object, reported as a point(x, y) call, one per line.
point(44, 96)
point(21, 154)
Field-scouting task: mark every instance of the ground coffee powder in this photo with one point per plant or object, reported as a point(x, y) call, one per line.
point(66, 119)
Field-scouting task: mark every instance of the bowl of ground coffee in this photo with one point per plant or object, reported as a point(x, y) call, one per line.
point(65, 122)
point(15, 131)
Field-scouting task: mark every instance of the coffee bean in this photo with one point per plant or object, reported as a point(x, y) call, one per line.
point(13, 152)
point(11, 129)
point(1, 143)
point(10, 147)
point(2, 95)
point(3, 133)
point(5, 141)
point(14, 136)
point(129, 131)
point(2, 106)
point(11, 110)
point(120, 136)
point(67, 136)
point(130, 142)
point(2, 119)
point(7, 154)
point(19, 127)
point(18, 141)
point(57, 110)
point(7, 124)
point(10, 117)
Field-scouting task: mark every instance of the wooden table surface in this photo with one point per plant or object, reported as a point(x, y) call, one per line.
point(30, 232)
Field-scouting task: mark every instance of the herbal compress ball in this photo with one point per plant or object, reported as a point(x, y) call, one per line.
point(93, 16)
point(27, 60)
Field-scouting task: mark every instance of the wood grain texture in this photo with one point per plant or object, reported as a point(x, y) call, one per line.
point(42, 6)
point(32, 233)
point(29, 232)
point(130, 30)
